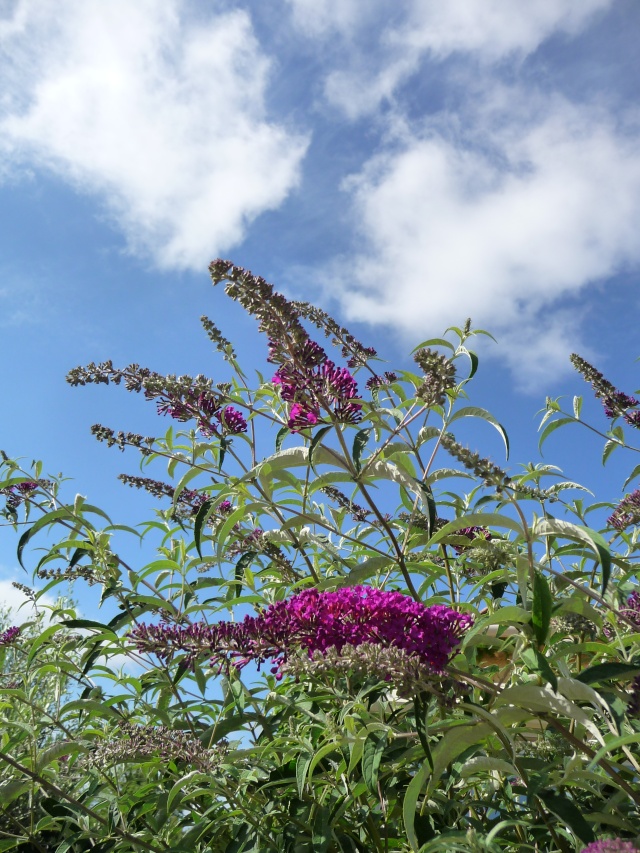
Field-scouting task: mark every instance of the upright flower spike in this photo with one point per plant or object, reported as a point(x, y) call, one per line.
point(612, 845)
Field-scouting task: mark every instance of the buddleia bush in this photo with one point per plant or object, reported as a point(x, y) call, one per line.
point(344, 631)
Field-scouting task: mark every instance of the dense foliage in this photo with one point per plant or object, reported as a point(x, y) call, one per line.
point(344, 630)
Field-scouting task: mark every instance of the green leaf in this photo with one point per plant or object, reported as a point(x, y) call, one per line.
point(456, 741)
point(541, 608)
point(477, 412)
point(202, 516)
point(46, 520)
point(302, 767)
point(315, 441)
point(359, 444)
point(186, 478)
point(607, 671)
point(569, 813)
point(609, 447)
point(434, 342)
point(283, 432)
point(578, 533)
point(224, 443)
point(41, 639)
point(577, 407)
point(552, 427)
point(374, 746)
point(321, 829)
point(241, 565)
point(55, 751)
point(410, 802)
point(476, 519)
point(632, 476)
point(537, 662)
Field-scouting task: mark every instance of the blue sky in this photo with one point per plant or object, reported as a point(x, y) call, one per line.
point(403, 165)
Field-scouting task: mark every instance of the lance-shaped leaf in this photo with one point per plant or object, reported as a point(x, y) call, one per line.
point(578, 533)
point(477, 412)
point(359, 444)
point(371, 755)
point(542, 607)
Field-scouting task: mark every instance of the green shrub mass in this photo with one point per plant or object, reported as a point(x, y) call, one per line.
point(339, 630)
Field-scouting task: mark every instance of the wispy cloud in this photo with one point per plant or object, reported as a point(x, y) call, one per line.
point(160, 115)
point(386, 47)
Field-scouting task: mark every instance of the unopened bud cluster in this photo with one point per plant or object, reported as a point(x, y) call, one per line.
point(439, 376)
point(574, 624)
point(616, 403)
point(357, 512)
point(405, 672)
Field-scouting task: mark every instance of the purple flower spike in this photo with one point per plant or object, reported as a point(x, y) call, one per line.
point(316, 622)
point(232, 420)
point(9, 635)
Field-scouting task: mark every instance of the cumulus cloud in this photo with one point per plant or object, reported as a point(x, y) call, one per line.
point(530, 204)
point(415, 30)
point(161, 115)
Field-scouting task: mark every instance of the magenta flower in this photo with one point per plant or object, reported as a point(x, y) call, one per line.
point(301, 418)
point(9, 635)
point(317, 621)
point(612, 845)
point(232, 420)
point(311, 382)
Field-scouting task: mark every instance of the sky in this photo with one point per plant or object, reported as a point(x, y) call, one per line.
point(404, 165)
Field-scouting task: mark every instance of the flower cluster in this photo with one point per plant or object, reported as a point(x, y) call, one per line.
point(488, 471)
point(632, 609)
point(181, 397)
point(574, 624)
point(140, 742)
point(311, 383)
point(406, 672)
point(616, 403)
point(189, 500)
point(439, 376)
point(8, 636)
point(627, 512)
point(376, 381)
point(471, 533)
point(317, 621)
point(357, 512)
point(19, 492)
point(612, 845)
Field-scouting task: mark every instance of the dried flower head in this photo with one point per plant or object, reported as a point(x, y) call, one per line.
point(405, 672)
point(135, 743)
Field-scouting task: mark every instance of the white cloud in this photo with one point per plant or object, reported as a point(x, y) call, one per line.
point(20, 608)
point(534, 202)
point(161, 116)
point(487, 32)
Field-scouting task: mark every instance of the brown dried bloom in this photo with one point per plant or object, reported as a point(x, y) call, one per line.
point(439, 376)
point(135, 742)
